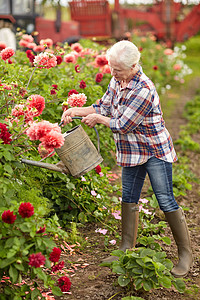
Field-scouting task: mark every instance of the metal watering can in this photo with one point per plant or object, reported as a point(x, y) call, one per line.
point(78, 154)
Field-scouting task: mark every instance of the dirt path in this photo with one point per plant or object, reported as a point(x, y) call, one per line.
point(89, 281)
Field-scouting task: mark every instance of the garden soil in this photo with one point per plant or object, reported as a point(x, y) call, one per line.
point(90, 281)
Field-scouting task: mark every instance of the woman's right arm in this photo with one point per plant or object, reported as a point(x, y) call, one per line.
point(76, 112)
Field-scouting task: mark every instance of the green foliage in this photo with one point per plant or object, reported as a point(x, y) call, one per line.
point(20, 239)
point(145, 269)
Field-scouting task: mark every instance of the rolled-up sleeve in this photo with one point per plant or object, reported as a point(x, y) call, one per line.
point(137, 107)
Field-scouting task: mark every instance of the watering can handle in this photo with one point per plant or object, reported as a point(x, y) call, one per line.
point(98, 140)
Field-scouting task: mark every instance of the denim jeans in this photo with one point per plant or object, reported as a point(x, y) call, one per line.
point(160, 175)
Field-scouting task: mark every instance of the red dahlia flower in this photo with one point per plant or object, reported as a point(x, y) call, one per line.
point(77, 69)
point(64, 283)
point(26, 210)
point(53, 92)
point(55, 86)
point(4, 134)
point(8, 217)
point(72, 92)
point(41, 230)
point(98, 169)
point(55, 254)
point(36, 260)
point(58, 267)
point(82, 84)
point(7, 53)
point(59, 59)
point(99, 77)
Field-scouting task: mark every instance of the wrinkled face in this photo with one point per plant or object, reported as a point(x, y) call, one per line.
point(119, 71)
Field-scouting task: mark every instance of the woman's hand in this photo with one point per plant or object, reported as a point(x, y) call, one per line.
point(67, 115)
point(91, 120)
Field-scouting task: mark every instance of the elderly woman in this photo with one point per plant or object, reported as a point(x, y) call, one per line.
point(131, 109)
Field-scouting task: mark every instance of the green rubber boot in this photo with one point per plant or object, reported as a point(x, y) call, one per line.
point(178, 225)
point(130, 217)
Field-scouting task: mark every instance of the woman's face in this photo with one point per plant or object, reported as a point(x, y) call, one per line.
point(119, 71)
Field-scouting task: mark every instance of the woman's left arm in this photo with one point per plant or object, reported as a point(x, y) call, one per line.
point(92, 119)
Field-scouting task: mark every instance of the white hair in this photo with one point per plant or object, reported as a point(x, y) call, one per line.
point(124, 52)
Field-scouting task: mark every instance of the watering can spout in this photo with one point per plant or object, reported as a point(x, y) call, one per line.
point(59, 167)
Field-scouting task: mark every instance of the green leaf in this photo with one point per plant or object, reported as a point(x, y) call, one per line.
point(41, 275)
point(138, 283)
point(13, 272)
point(34, 294)
point(123, 281)
point(147, 285)
point(165, 281)
point(8, 168)
point(25, 227)
point(166, 240)
point(117, 253)
point(6, 262)
point(56, 291)
point(118, 270)
point(145, 252)
point(179, 284)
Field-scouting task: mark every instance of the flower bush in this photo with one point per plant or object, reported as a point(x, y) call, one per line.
point(37, 83)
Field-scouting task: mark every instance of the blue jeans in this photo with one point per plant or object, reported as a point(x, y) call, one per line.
point(160, 175)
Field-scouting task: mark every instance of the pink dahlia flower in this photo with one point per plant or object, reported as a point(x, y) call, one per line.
point(69, 58)
point(2, 45)
point(77, 99)
point(168, 51)
point(77, 47)
point(8, 217)
point(36, 260)
point(105, 69)
point(39, 48)
point(36, 101)
point(7, 53)
point(101, 60)
point(45, 152)
point(23, 43)
point(45, 60)
point(28, 38)
point(19, 110)
point(38, 130)
point(53, 139)
point(47, 42)
point(26, 210)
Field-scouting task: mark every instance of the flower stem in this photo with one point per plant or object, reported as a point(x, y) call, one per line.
point(31, 77)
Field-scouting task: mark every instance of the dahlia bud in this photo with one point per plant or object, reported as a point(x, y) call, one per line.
point(64, 106)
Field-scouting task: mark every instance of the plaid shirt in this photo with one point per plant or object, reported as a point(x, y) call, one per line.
point(136, 121)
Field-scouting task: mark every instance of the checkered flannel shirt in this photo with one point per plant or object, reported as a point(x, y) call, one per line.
point(136, 121)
